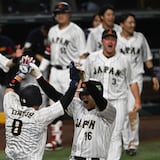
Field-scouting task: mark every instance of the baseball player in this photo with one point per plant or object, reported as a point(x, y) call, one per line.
point(133, 45)
point(107, 15)
point(96, 21)
point(92, 115)
point(26, 124)
point(114, 72)
point(67, 43)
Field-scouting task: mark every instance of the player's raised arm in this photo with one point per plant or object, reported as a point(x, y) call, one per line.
point(51, 92)
point(24, 68)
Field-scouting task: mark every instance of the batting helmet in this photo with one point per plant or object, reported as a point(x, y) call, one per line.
point(83, 90)
point(30, 96)
point(62, 7)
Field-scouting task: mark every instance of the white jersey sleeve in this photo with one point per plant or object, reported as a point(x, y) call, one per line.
point(3, 63)
point(146, 52)
point(11, 100)
point(47, 115)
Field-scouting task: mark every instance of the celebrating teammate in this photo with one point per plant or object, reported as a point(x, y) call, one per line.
point(92, 115)
point(67, 43)
point(133, 45)
point(107, 15)
point(114, 72)
point(26, 124)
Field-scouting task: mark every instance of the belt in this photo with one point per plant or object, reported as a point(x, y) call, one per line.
point(60, 67)
point(83, 158)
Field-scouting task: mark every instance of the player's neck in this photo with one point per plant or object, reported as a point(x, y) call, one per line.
point(105, 26)
point(108, 55)
point(126, 35)
point(63, 25)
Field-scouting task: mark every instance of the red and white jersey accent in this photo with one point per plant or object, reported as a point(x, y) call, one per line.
point(94, 41)
point(26, 128)
point(92, 130)
point(66, 44)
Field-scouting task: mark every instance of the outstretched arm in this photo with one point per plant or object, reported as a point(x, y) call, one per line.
point(51, 91)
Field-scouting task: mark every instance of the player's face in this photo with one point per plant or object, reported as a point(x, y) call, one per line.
point(129, 25)
point(96, 21)
point(109, 44)
point(88, 102)
point(63, 18)
point(108, 18)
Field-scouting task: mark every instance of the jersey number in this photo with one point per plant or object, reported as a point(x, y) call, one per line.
point(16, 127)
point(113, 81)
point(88, 135)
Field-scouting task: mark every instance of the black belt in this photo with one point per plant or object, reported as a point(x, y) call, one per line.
point(60, 67)
point(82, 158)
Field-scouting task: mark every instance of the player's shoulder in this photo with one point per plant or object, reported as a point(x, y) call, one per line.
point(94, 55)
point(53, 28)
point(97, 30)
point(75, 26)
point(138, 34)
point(117, 28)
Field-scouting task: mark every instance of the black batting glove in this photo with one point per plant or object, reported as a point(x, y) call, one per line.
point(74, 75)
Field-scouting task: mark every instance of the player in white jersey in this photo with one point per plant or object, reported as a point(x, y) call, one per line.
point(26, 124)
point(133, 45)
point(107, 15)
point(67, 43)
point(92, 116)
point(114, 71)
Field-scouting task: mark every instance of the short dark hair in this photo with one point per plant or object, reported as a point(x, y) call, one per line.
point(124, 17)
point(105, 8)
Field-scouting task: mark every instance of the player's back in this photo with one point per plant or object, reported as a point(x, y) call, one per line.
point(25, 132)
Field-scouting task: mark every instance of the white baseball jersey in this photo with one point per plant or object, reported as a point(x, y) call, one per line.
point(95, 37)
point(26, 128)
point(66, 44)
point(92, 130)
point(114, 73)
point(136, 49)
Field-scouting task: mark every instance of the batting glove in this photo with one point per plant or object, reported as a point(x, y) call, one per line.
point(35, 71)
point(74, 75)
point(24, 67)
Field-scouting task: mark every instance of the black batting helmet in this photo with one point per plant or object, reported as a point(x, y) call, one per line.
point(83, 90)
point(62, 7)
point(30, 96)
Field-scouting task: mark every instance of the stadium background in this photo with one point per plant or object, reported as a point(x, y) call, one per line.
point(17, 23)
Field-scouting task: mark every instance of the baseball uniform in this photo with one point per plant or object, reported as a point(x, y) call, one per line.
point(26, 128)
point(115, 75)
point(66, 45)
point(95, 37)
point(137, 51)
point(91, 129)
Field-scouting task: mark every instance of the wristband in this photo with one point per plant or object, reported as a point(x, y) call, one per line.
point(14, 84)
point(151, 72)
